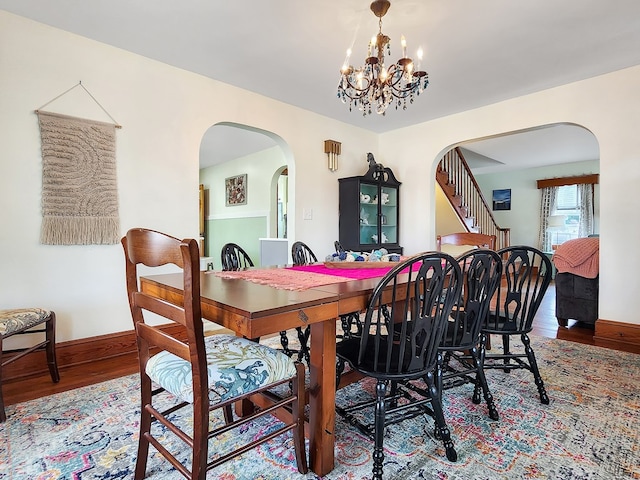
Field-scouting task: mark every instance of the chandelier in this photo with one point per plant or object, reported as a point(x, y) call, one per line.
point(375, 86)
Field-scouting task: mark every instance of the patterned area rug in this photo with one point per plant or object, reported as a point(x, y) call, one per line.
point(590, 430)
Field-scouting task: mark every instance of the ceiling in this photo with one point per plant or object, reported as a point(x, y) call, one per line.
point(476, 53)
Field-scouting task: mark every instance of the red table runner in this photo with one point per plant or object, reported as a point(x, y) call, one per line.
point(303, 277)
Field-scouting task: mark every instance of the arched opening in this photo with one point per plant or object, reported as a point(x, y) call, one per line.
point(245, 195)
point(530, 164)
point(513, 161)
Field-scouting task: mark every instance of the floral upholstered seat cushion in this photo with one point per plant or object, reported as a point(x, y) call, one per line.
point(19, 319)
point(236, 366)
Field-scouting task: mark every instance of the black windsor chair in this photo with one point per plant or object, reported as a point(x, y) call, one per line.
point(348, 320)
point(459, 360)
point(301, 254)
point(404, 324)
point(526, 274)
point(234, 257)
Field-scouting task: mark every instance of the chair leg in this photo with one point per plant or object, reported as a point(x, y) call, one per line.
point(298, 410)
point(481, 380)
point(441, 425)
point(303, 338)
point(481, 356)
point(347, 321)
point(544, 398)
point(199, 454)
point(378, 450)
point(439, 374)
point(145, 428)
point(284, 341)
point(506, 351)
point(339, 371)
point(52, 362)
point(227, 412)
point(393, 391)
point(3, 415)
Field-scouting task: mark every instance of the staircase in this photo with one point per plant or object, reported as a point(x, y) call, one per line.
point(460, 187)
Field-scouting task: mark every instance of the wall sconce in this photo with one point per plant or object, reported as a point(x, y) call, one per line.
point(332, 149)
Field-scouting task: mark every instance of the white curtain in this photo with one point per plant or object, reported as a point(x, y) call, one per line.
point(585, 200)
point(547, 208)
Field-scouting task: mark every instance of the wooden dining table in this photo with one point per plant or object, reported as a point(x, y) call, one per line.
point(256, 310)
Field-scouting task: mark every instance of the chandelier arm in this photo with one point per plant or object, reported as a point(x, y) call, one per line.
point(360, 92)
point(396, 85)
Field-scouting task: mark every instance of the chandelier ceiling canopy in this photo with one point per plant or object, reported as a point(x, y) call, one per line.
point(374, 86)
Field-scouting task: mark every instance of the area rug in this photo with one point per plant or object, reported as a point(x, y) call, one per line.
point(590, 430)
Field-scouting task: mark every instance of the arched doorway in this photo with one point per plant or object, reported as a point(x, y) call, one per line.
point(514, 161)
point(252, 160)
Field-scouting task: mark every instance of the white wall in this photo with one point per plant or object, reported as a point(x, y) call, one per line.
point(259, 167)
point(606, 105)
point(524, 217)
point(165, 112)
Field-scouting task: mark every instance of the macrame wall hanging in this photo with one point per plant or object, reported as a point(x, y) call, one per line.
point(79, 183)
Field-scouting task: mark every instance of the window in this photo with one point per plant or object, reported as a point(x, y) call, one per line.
point(567, 198)
point(566, 209)
point(564, 221)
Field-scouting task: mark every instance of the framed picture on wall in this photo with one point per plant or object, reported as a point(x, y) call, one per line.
point(502, 199)
point(235, 189)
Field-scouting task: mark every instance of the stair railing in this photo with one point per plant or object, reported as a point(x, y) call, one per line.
point(466, 197)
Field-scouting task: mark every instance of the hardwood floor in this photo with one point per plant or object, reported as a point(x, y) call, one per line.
point(17, 391)
point(545, 323)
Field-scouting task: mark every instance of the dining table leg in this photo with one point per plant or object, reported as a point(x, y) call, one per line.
point(322, 396)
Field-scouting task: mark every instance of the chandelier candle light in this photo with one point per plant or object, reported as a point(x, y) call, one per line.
point(375, 86)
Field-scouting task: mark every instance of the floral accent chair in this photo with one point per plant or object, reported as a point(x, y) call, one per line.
point(28, 321)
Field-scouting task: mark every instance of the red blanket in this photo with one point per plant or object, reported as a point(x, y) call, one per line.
point(579, 256)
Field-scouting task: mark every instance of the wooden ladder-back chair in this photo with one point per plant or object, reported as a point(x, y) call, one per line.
point(464, 239)
point(28, 321)
point(404, 324)
point(209, 373)
point(526, 274)
point(459, 361)
point(233, 257)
